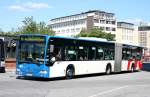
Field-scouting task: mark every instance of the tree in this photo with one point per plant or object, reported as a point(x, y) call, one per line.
point(83, 33)
point(110, 37)
point(1, 32)
point(32, 27)
point(98, 33)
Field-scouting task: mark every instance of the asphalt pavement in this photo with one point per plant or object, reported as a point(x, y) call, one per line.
point(117, 85)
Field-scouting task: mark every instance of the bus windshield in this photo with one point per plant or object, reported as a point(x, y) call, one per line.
point(31, 49)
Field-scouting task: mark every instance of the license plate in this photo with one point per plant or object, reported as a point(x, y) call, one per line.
point(29, 74)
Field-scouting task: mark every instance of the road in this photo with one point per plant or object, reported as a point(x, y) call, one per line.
point(117, 85)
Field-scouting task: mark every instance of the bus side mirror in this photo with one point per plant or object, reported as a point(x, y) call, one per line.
point(51, 48)
point(51, 61)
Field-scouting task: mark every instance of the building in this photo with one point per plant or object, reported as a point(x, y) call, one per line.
point(126, 33)
point(144, 40)
point(144, 36)
point(73, 24)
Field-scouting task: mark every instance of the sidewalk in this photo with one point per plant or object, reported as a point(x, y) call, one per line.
point(11, 70)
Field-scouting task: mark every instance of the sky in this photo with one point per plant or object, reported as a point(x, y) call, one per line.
point(13, 12)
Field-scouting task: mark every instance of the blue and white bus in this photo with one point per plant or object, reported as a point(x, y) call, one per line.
point(52, 56)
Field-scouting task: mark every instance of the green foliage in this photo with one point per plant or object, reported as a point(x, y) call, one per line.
point(98, 33)
point(83, 33)
point(32, 27)
point(2, 33)
point(110, 37)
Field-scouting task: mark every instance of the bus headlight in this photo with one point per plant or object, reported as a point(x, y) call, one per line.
point(43, 72)
point(17, 70)
point(20, 66)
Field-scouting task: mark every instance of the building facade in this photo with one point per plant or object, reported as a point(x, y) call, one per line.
point(144, 40)
point(144, 36)
point(126, 33)
point(73, 24)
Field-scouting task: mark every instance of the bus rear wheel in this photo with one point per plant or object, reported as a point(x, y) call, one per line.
point(132, 68)
point(108, 70)
point(69, 73)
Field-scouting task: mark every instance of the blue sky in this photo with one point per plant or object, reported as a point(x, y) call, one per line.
point(13, 12)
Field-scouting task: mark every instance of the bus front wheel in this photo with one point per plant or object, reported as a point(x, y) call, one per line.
point(69, 72)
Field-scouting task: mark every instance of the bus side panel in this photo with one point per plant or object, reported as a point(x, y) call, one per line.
point(138, 65)
point(124, 66)
point(91, 67)
point(58, 69)
point(81, 67)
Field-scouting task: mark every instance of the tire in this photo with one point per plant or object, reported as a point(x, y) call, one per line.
point(132, 68)
point(108, 70)
point(69, 73)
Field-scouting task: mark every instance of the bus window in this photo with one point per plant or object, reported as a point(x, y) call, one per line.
point(57, 53)
point(91, 53)
point(99, 53)
point(70, 53)
point(109, 54)
point(137, 52)
point(126, 54)
point(82, 53)
point(54, 52)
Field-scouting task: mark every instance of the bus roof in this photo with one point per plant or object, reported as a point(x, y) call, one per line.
point(84, 39)
point(33, 35)
point(91, 39)
point(80, 38)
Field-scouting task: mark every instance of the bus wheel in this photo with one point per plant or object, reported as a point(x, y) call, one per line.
point(108, 69)
point(132, 68)
point(69, 72)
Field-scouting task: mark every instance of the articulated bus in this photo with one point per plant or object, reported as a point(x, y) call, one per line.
point(2, 55)
point(53, 56)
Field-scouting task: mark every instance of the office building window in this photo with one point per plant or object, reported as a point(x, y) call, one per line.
point(102, 21)
point(113, 29)
point(108, 29)
point(114, 22)
point(96, 21)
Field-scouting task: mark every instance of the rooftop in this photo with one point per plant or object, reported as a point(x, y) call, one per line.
point(125, 23)
point(144, 28)
point(90, 11)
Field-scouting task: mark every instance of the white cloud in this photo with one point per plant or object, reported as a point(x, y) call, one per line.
point(29, 6)
point(32, 5)
point(18, 8)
